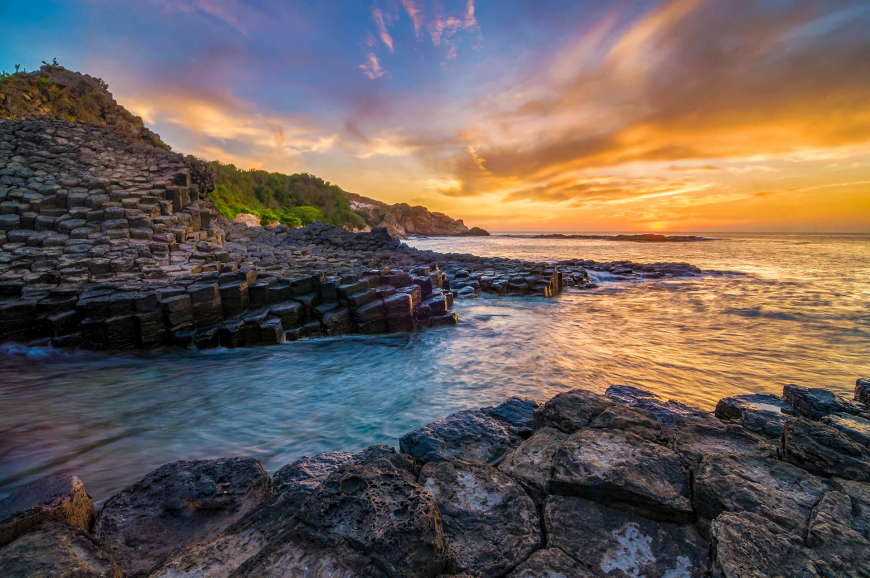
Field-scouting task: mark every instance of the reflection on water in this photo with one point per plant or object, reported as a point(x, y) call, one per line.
point(801, 316)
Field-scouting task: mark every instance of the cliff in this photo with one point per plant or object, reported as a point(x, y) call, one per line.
point(403, 220)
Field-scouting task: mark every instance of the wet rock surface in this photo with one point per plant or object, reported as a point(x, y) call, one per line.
point(825, 450)
point(550, 563)
point(56, 549)
point(624, 471)
point(614, 543)
point(465, 435)
point(178, 505)
point(778, 491)
point(761, 413)
point(385, 514)
point(489, 521)
point(57, 496)
point(623, 485)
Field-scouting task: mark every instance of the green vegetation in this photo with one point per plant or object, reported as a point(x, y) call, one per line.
point(43, 82)
point(292, 200)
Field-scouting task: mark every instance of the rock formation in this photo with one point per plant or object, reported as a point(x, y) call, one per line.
point(586, 485)
point(402, 220)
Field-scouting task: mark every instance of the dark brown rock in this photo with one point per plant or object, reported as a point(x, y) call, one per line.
point(571, 410)
point(632, 420)
point(517, 412)
point(624, 471)
point(615, 544)
point(56, 496)
point(815, 403)
point(550, 563)
point(531, 464)
point(489, 521)
point(177, 505)
point(857, 428)
point(761, 413)
point(465, 435)
point(825, 451)
point(386, 515)
point(56, 549)
point(746, 544)
point(780, 492)
point(696, 440)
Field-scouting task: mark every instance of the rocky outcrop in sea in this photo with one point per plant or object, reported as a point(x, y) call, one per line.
point(585, 485)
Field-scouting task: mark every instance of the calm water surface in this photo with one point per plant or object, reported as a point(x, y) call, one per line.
point(792, 309)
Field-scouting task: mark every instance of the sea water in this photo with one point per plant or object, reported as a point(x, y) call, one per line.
point(779, 309)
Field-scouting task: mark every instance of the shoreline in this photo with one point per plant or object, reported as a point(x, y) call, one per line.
point(557, 476)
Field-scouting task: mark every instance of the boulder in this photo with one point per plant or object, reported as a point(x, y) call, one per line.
point(550, 563)
point(306, 473)
point(56, 496)
point(386, 515)
point(671, 414)
point(223, 554)
point(696, 440)
point(177, 505)
point(489, 521)
point(304, 554)
point(517, 412)
point(746, 544)
point(815, 403)
point(531, 464)
point(859, 494)
point(853, 426)
point(862, 391)
point(761, 413)
point(624, 471)
point(834, 534)
point(248, 219)
point(640, 422)
point(465, 435)
point(777, 491)
point(56, 549)
point(620, 544)
point(571, 410)
point(825, 451)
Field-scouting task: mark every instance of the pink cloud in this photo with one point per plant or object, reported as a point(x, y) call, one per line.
point(416, 14)
point(382, 28)
point(372, 68)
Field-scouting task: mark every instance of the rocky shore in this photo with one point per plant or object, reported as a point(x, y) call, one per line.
point(617, 485)
point(110, 242)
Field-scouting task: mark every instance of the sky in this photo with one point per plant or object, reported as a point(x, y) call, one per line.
point(534, 115)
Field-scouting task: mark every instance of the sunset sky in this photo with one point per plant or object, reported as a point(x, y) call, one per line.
point(536, 115)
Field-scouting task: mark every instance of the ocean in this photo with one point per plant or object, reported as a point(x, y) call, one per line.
point(775, 309)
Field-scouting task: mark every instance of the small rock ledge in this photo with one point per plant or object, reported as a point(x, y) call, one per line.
point(585, 485)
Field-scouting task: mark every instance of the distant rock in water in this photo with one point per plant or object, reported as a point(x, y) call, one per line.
point(642, 238)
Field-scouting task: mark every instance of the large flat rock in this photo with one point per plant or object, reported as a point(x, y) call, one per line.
point(619, 544)
point(550, 563)
point(222, 555)
point(55, 496)
point(815, 402)
point(571, 410)
point(465, 435)
point(386, 515)
point(517, 413)
point(853, 426)
point(694, 441)
point(178, 505)
point(56, 549)
point(835, 536)
point(671, 414)
point(778, 491)
point(637, 421)
point(531, 464)
point(489, 521)
point(746, 544)
point(761, 413)
point(624, 471)
point(825, 451)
